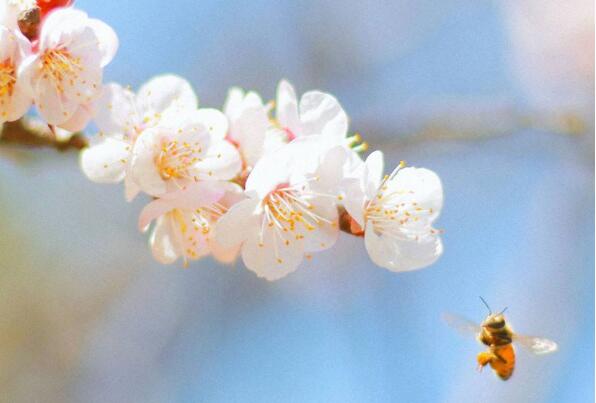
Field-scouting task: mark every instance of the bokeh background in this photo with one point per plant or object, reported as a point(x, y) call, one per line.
point(495, 96)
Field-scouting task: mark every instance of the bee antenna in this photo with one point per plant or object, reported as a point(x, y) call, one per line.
point(490, 312)
point(503, 311)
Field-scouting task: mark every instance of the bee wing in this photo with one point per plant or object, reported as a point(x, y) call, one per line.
point(537, 345)
point(462, 324)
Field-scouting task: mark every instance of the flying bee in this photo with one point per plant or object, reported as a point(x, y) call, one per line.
point(495, 333)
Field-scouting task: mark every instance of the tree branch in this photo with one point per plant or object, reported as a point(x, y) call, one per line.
point(27, 132)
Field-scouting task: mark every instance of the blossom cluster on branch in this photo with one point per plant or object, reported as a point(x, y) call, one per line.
point(270, 182)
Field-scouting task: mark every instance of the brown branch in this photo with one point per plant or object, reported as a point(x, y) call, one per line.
point(34, 134)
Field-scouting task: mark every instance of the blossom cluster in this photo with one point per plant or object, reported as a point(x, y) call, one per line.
point(269, 182)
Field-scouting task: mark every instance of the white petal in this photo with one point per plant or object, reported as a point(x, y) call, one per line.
point(401, 255)
point(422, 186)
point(163, 241)
point(61, 26)
point(166, 91)
point(372, 173)
point(115, 110)
point(104, 161)
point(15, 106)
point(354, 199)
point(271, 170)
point(321, 114)
point(237, 224)
point(215, 121)
point(272, 259)
point(131, 189)
point(233, 104)
point(221, 162)
point(107, 38)
point(286, 107)
point(143, 168)
point(249, 130)
point(325, 234)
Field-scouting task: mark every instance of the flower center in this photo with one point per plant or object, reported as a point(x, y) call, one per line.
point(61, 67)
point(175, 159)
point(7, 78)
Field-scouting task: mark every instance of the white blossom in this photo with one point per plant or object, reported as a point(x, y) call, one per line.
point(396, 213)
point(185, 147)
point(286, 215)
point(65, 75)
point(122, 117)
point(184, 221)
point(14, 97)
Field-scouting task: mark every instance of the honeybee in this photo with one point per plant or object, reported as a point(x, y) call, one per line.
point(497, 335)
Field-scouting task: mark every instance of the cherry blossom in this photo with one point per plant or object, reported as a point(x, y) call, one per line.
point(396, 213)
point(285, 216)
point(65, 75)
point(122, 117)
point(185, 147)
point(14, 98)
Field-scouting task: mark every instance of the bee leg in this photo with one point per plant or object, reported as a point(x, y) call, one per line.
point(484, 358)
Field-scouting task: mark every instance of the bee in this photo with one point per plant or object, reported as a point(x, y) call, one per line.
point(495, 333)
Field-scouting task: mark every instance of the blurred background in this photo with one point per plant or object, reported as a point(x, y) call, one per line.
point(496, 96)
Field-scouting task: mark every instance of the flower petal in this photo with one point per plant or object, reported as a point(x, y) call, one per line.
point(104, 161)
point(286, 108)
point(215, 121)
point(166, 91)
point(107, 39)
point(221, 162)
point(237, 224)
point(321, 114)
point(163, 241)
point(115, 110)
point(272, 259)
point(143, 168)
point(401, 255)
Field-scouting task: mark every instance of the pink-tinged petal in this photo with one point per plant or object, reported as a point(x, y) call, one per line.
point(143, 167)
point(79, 120)
point(152, 211)
point(115, 111)
point(54, 108)
point(321, 114)
point(195, 195)
point(221, 254)
point(107, 40)
point(401, 255)
point(221, 162)
point(164, 243)
point(286, 108)
point(166, 91)
point(271, 258)
point(104, 161)
point(237, 224)
point(215, 121)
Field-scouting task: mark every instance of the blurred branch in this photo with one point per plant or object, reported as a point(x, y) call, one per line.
point(31, 133)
